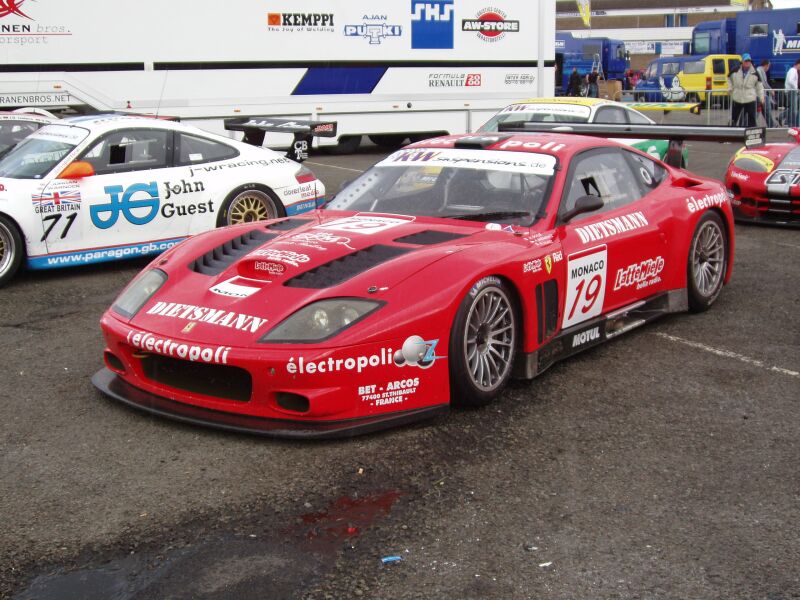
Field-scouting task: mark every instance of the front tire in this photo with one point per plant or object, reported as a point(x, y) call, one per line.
point(707, 262)
point(248, 203)
point(483, 343)
point(11, 249)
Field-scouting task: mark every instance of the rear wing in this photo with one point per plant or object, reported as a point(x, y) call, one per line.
point(676, 134)
point(692, 107)
point(255, 128)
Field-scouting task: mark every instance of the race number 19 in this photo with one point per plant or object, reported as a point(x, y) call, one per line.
point(586, 285)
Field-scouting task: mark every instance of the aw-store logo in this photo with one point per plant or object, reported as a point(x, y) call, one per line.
point(432, 24)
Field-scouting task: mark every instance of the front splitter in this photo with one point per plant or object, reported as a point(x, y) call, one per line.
point(115, 387)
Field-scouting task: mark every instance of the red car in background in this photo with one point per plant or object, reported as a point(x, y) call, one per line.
point(765, 183)
point(441, 272)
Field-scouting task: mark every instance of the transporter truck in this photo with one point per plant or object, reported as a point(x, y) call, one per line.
point(383, 69)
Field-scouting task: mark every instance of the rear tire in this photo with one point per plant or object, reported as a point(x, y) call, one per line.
point(348, 144)
point(483, 343)
point(707, 262)
point(388, 140)
point(11, 249)
point(248, 203)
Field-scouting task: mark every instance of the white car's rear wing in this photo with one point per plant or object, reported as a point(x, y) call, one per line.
point(255, 128)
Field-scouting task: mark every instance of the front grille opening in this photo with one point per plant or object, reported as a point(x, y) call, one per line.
point(113, 362)
point(220, 258)
point(293, 402)
point(218, 381)
point(341, 269)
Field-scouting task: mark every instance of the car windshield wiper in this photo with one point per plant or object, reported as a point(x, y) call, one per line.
point(507, 214)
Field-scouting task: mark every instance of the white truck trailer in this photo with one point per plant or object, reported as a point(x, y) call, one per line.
point(387, 69)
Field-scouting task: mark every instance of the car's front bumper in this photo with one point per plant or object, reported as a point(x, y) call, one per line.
point(115, 387)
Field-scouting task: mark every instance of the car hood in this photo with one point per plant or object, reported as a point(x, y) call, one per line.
point(233, 285)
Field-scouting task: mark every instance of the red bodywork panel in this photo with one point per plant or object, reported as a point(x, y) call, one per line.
point(598, 264)
point(765, 183)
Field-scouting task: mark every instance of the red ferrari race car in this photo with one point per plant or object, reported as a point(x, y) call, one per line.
point(444, 270)
point(765, 183)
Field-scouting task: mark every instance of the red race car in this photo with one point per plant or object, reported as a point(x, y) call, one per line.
point(444, 270)
point(765, 183)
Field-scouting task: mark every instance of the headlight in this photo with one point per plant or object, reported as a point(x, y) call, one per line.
point(139, 291)
point(321, 320)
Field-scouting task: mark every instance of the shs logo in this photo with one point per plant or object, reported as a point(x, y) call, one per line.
point(431, 24)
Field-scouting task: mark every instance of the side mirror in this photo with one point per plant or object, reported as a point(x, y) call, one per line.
point(77, 170)
point(584, 204)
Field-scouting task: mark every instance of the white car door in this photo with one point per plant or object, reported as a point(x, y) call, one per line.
point(122, 203)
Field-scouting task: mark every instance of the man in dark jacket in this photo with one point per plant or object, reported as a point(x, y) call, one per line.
point(574, 85)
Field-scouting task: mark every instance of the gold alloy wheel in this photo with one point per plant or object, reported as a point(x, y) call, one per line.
point(249, 206)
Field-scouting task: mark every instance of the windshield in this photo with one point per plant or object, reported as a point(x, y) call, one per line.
point(538, 113)
point(702, 43)
point(479, 185)
point(13, 132)
point(36, 155)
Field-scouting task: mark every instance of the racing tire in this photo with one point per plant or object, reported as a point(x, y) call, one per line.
point(390, 141)
point(348, 144)
point(483, 343)
point(11, 249)
point(707, 262)
point(248, 203)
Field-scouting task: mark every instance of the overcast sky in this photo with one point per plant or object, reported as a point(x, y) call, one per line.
point(785, 3)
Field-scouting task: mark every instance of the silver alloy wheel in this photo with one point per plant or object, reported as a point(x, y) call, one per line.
point(708, 258)
point(6, 249)
point(489, 338)
point(249, 206)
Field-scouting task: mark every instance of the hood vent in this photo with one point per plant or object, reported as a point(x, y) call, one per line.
point(220, 258)
point(430, 237)
point(287, 224)
point(340, 270)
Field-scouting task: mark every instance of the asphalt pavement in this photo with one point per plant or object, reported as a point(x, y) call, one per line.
point(663, 464)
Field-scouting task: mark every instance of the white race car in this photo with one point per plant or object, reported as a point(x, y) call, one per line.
point(93, 189)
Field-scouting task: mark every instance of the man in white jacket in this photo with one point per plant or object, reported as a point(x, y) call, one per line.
point(791, 94)
point(746, 89)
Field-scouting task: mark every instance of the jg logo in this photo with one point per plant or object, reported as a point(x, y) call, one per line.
point(122, 200)
point(431, 24)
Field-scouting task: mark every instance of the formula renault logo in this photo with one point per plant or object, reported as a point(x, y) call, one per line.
point(376, 31)
point(491, 25)
point(431, 24)
point(417, 352)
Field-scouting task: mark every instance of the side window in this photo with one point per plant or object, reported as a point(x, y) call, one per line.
point(637, 118)
point(605, 173)
point(193, 149)
point(648, 174)
point(733, 64)
point(670, 68)
point(129, 150)
point(718, 66)
point(611, 115)
point(758, 30)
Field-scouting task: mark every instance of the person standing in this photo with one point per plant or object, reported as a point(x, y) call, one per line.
point(574, 85)
point(791, 94)
point(746, 89)
point(591, 80)
point(763, 74)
